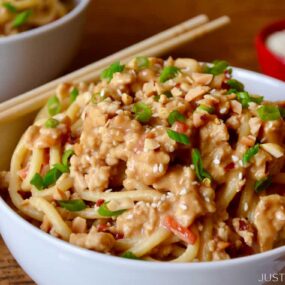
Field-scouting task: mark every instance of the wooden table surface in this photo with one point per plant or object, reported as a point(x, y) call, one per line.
point(114, 24)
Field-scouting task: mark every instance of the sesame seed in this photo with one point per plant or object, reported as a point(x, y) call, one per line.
point(245, 207)
point(240, 163)
point(183, 191)
point(183, 207)
point(160, 168)
point(192, 166)
point(169, 194)
point(216, 161)
point(154, 205)
point(207, 199)
point(102, 93)
point(223, 110)
point(155, 168)
point(235, 158)
point(240, 176)
point(129, 217)
point(280, 215)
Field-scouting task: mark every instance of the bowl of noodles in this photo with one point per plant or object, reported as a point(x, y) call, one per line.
point(163, 172)
point(38, 39)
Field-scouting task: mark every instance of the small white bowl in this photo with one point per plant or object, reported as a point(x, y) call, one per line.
point(51, 261)
point(34, 57)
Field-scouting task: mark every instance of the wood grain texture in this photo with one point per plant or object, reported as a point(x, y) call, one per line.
point(114, 24)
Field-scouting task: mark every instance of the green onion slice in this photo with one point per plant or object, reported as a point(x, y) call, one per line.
point(282, 112)
point(62, 167)
point(51, 123)
point(178, 137)
point(217, 67)
point(10, 7)
point(252, 151)
point(37, 181)
point(51, 177)
point(244, 98)
point(175, 116)
point(198, 165)
point(72, 205)
point(208, 109)
point(53, 105)
point(129, 255)
point(142, 112)
point(142, 62)
point(105, 212)
point(21, 18)
point(236, 85)
point(168, 72)
point(66, 156)
point(111, 70)
point(269, 113)
point(73, 95)
point(262, 184)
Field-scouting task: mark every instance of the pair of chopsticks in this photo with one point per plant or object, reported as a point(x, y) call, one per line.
point(154, 46)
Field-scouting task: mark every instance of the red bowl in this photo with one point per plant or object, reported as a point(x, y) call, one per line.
point(270, 63)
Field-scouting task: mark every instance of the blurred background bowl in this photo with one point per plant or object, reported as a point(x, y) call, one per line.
point(270, 63)
point(34, 57)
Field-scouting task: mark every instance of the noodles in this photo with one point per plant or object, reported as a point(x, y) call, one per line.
point(21, 15)
point(159, 161)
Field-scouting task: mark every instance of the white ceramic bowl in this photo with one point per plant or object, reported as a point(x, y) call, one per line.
point(32, 58)
point(51, 261)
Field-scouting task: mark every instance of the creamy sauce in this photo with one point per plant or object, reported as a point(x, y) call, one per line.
point(276, 43)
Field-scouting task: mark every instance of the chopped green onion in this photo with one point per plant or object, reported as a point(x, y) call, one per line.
point(142, 112)
point(105, 212)
point(72, 205)
point(51, 123)
point(244, 98)
point(235, 84)
point(22, 18)
point(262, 184)
point(268, 113)
point(10, 7)
point(256, 99)
point(168, 94)
point(175, 116)
point(156, 98)
point(252, 151)
point(168, 72)
point(218, 67)
point(111, 70)
point(129, 255)
point(282, 112)
point(142, 62)
point(178, 137)
point(208, 109)
point(73, 95)
point(37, 181)
point(51, 177)
point(66, 156)
point(53, 105)
point(62, 167)
point(198, 165)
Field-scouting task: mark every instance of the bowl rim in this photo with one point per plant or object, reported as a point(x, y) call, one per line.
point(80, 6)
point(261, 37)
point(7, 211)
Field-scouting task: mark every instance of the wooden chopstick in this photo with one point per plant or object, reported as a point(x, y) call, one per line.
point(35, 99)
point(102, 63)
